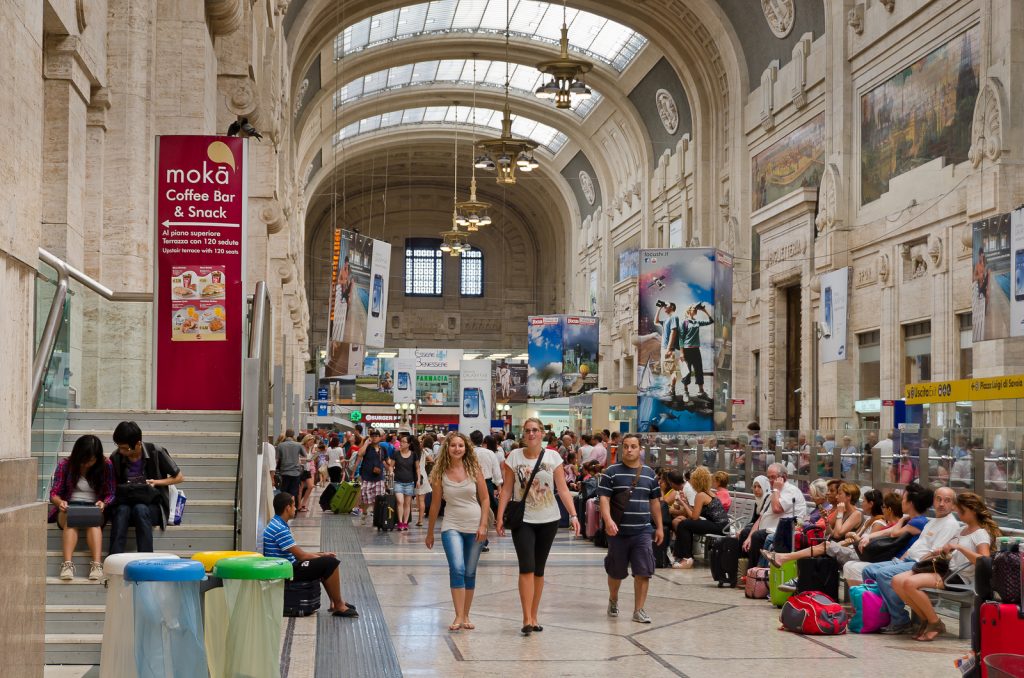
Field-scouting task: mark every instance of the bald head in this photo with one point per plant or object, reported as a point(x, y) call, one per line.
point(945, 500)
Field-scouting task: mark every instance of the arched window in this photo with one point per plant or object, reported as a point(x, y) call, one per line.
point(472, 278)
point(423, 267)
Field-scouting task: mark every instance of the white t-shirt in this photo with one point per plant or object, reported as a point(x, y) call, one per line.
point(793, 506)
point(541, 506)
point(971, 542)
point(83, 491)
point(689, 493)
point(270, 453)
point(486, 459)
point(585, 452)
point(937, 533)
point(334, 455)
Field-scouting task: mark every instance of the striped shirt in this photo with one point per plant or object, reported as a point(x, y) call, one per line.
point(277, 538)
point(637, 518)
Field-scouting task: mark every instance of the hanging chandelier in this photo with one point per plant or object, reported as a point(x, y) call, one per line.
point(566, 73)
point(454, 241)
point(472, 214)
point(506, 154)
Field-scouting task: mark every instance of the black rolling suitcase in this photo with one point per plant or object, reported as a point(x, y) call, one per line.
point(723, 559)
point(301, 598)
point(818, 574)
point(661, 557)
point(385, 512)
point(327, 495)
point(580, 504)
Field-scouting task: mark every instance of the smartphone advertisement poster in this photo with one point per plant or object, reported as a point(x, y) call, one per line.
point(380, 267)
point(359, 303)
point(1017, 298)
point(200, 272)
point(475, 396)
point(832, 315)
point(684, 313)
point(405, 380)
point(991, 291)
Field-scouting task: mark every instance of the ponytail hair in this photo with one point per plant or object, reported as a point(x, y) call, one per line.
point(969, 500)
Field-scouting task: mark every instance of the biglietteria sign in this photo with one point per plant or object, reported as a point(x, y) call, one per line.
point(200, 267)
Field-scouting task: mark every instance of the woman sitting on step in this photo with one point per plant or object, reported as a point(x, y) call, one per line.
point(83, 479)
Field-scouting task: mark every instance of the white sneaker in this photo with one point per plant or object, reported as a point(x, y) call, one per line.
point(641, 616)
point(613, 608)
point(95, 571)
point(67, 570)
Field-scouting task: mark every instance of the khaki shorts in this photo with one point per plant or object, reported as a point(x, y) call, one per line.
point(670, 366)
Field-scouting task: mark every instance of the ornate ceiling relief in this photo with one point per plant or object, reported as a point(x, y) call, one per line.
point(779, 15)
point(667, 110)
point(587, 186)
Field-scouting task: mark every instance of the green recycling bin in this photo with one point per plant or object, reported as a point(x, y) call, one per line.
point(215, 607)
point(254, 593)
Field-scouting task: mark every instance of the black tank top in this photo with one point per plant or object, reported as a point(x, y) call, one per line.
point(405, 468)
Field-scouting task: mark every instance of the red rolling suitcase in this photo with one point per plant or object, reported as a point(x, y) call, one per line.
point(1002, 631)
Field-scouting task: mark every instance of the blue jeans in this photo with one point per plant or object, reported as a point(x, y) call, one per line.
point(141, 517)
point(463, 553)
point(883, 574)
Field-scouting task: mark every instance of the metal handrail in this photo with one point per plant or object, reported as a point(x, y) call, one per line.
point(256, 384)
point(48, 341)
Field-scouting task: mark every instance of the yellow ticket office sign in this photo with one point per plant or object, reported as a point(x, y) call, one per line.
point(988, 388)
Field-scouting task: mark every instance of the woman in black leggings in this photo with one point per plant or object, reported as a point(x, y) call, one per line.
point(533, 539)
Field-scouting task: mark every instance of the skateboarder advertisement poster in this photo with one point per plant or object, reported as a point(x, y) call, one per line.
point(676, 368)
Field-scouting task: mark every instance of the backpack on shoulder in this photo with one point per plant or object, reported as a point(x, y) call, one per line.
point(813, 613)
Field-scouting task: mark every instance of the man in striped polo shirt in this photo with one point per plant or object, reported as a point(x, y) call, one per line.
point(631, 486)
point(278, 542)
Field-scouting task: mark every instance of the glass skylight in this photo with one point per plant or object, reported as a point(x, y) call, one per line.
point(546, 136)
point(589, 34)
point(491, 74)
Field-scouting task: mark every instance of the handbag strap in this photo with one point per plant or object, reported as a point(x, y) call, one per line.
point(536, 467)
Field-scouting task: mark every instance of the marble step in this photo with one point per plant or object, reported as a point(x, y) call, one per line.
point(176, 539)
point(70, 648)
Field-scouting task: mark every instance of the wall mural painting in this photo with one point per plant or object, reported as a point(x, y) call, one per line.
point(921, 113)
point(796, 161)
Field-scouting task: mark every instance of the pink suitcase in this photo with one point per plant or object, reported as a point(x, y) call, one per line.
point(593, 517)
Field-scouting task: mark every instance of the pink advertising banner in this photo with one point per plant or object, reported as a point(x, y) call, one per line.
point(200, 272)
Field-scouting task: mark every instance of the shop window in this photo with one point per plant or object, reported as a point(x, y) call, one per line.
point(869, 367)
point(423, 267)
point(917, 352)
point(472, 278)
point(966, 368)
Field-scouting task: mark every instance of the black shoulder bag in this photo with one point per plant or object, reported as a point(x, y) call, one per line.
point(515, 511)
point(620, 498)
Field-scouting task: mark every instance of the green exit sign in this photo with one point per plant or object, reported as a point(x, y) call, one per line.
point(355, 415)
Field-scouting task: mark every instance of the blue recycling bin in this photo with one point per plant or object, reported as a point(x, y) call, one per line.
point(168, 620)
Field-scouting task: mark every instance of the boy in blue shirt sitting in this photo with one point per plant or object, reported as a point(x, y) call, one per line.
point(278, 542)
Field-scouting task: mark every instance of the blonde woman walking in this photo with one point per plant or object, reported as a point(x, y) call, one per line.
point(457, 479)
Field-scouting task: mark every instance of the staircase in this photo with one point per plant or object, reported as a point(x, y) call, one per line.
point(205, 447)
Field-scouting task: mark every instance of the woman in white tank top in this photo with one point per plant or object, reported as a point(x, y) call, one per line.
point(458, 480)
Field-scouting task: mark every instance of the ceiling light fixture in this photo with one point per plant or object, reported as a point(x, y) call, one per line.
point(498, 153)
point(472, 214)
point(566, 73)
point(454, 241)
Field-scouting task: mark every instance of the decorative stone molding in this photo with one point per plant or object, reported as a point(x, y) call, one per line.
point(889, 5)
point(587, 186)
point(987, 126)
point(285, 271)
point(730, 227)
point(855, 18)
point(299, 96)
point(829, 200)
point(281, 7)
point(272, 215)
point(768, 78)
point(99, 104)
point(779, 14)
point(224, 16)
point(883, 268)
point(791, 250)
point(935, 250)
point(241, 97)
point(915, 264)
point(82, 14)
point(801, 52)
point(667, 110)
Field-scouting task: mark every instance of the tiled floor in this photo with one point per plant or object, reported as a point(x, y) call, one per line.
point(698, 629)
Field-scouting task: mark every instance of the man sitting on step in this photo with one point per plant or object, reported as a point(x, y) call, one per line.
point(142, 472)
point(278, 542)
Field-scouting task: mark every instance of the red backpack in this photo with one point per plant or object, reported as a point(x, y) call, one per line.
point(813, 613)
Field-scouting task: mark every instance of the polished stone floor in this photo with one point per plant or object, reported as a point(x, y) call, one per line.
point(698, 629)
